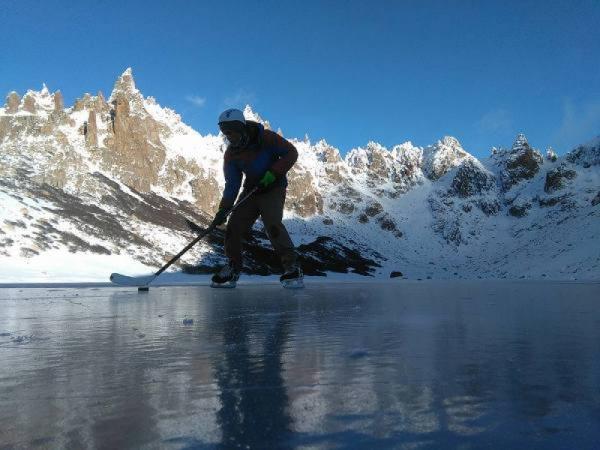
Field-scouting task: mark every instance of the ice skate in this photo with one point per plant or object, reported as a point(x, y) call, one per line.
point(225, 278)
point(292, 278)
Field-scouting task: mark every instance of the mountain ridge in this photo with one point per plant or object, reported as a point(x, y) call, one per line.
point(431, 211)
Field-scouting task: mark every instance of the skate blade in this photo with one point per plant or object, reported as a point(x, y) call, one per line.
point(228, 285)
point(293, 284)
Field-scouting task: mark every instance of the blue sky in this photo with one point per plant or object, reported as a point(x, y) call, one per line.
point(346, 71)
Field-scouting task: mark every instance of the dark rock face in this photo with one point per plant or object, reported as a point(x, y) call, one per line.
point(522, 167)
point(519, 210)
point(586, 155)
point(527, 161)
point(470, 179)
point(489, 208)
point(551, 201)
point(596, 199)
point(373, 209)
point(395, 274)
point(521, 163)
point(555, 179)
point(387, 223)
point(325, 254)
point(344, 206)
point(322, 255)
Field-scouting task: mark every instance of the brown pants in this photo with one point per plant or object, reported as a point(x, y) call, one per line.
point(270, 208)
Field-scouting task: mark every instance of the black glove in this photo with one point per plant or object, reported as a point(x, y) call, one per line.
point(220, 217)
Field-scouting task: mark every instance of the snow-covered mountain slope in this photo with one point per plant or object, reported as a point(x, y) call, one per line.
point(110, 183)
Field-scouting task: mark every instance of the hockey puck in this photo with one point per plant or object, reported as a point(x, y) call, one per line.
point(143, 289)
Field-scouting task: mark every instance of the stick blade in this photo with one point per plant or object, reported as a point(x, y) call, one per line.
point(293, 284)
point(124, 280)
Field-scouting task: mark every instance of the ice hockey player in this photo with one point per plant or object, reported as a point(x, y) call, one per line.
point(264, 158)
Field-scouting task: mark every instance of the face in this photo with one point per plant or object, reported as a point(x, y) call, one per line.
point(234, 138)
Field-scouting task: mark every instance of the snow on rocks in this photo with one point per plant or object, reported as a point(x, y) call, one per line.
point(586, 155)
point(114, 178)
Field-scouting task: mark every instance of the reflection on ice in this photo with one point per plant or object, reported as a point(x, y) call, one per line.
point(390, 365)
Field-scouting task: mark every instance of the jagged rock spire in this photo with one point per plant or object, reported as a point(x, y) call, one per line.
point(29, 104)
point(442, 156)
point(451, 141)
point(520, 143)
point(250, 114)
point(12, 102)
point(125, 84)
point(523, 163)
point(59, 103)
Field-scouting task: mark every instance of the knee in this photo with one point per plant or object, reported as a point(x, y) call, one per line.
point(231, 233)
point(274, 231)
point(233, 224)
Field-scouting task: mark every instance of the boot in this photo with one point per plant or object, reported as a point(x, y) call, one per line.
point(226, 277)
point(292, 278)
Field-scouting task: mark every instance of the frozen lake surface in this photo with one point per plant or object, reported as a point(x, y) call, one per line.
point(397, 364)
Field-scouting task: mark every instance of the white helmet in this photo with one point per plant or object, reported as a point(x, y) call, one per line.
point(232, 115)
point(233, 120)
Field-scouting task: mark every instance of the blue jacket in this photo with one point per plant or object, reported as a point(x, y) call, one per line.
point(266, 150)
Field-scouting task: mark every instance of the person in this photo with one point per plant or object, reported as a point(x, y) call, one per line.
point(264, 158)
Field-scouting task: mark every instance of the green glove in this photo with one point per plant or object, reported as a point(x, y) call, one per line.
point(267, 179)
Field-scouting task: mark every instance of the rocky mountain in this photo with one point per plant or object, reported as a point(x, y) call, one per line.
point(108, 184)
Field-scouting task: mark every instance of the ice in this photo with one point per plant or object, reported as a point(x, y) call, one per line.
point(394, 364)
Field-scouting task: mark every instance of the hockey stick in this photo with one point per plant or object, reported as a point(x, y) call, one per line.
point(143, 282)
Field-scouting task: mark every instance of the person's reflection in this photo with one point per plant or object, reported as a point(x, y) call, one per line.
point(254, 402)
